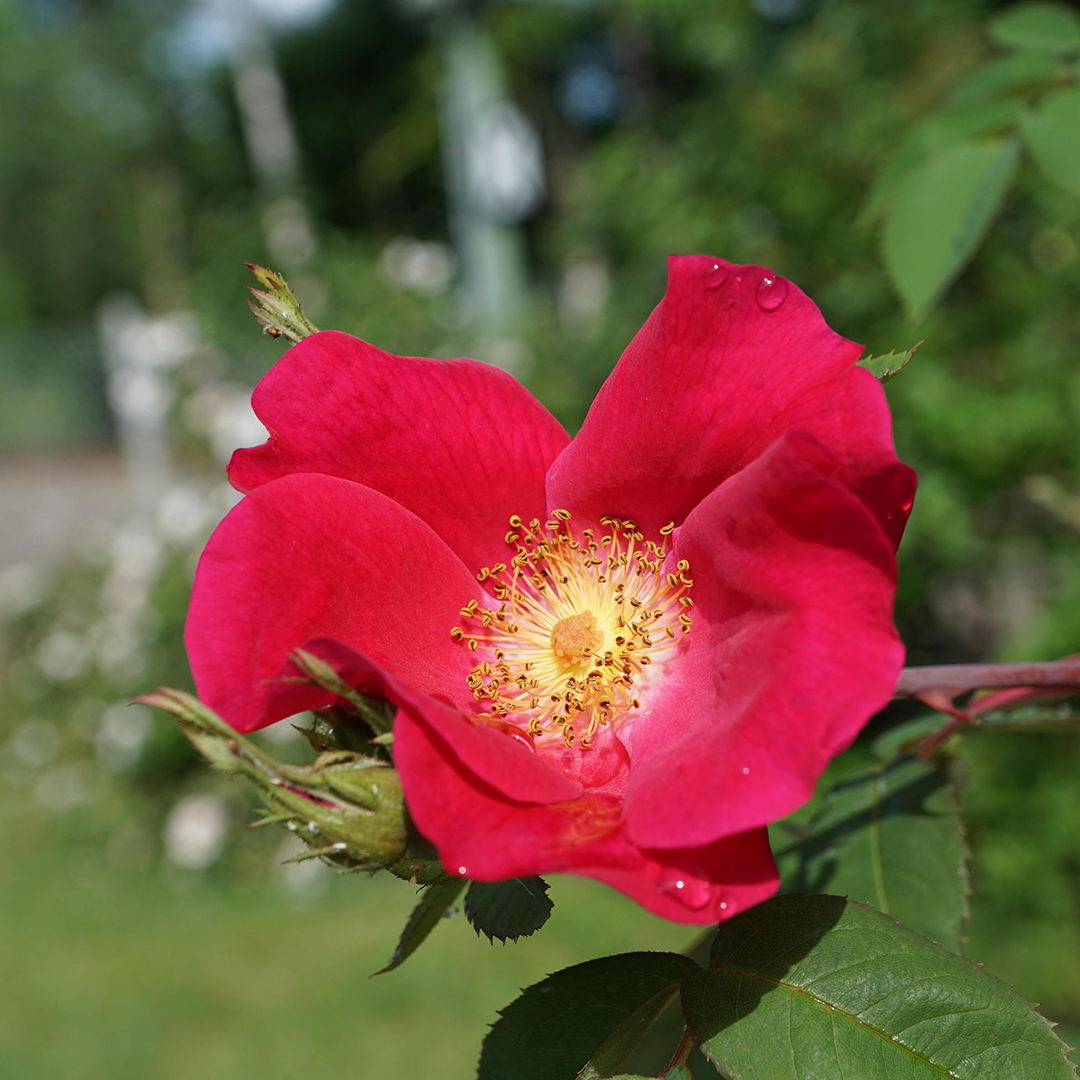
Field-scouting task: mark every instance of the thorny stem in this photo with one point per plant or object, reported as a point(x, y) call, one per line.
point(940, 685)
point(961, 678)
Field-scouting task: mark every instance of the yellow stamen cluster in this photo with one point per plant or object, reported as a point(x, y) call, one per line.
point(576, 622)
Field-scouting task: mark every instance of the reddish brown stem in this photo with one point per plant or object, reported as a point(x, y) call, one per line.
point(957, 679)
point(939, 686)
point(682, 1051)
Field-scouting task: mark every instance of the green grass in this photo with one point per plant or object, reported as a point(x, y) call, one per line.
point(128, 976)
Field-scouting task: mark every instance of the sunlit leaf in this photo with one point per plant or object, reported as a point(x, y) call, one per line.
point(940, 214)
point(885, 833)
point(963, 120)
point(819, 986)
point(1052, 131)
point(1039, 26)
point(887, 366)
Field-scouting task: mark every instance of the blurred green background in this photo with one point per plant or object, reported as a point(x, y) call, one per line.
point(500, 180)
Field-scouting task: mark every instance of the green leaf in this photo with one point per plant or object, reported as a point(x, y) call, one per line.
point(964, 120)
point(508, 909)
point(822, 987)
point(887, 366)
point(677, 1072)
point(1020, 73)
point(1052, 131)
point(582, 1022)
point(433, 905)
point(940, 214)
point(1061, 719)
point(888, 834)
point(1038, 27)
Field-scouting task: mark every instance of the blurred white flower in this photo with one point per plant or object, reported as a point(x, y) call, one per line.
point(62, 656)
point(426, 266)
point(63, 787)
point(120, 737)
point(303, 879)
point(22, 587)
point(35, 743)
point(195, 831)
point(120, 654)
point(183, 513)
point(284, 731)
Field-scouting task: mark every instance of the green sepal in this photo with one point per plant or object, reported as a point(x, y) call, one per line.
point(347, 804)
point(276, 308)
point(434, 905)
point(887, 366)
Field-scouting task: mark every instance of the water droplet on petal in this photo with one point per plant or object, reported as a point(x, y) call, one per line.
point(726, 908)
point(772, 292)
point(715, 276)
point(461, 870)
point(746, 770)
point(512, 731)
point(689, 891)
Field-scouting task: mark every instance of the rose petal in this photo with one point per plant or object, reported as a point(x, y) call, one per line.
point(710, 381)
point(792, 650)
point(481, 834)
point(311, 555)
point(502, 759)
point(461, 444)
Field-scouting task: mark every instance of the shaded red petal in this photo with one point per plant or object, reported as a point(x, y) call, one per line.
point(461, 444)
point(708, 383)
point(308, 556)
point(506, 762)
point(480, 833)
point(717, 881)
point(792, 650)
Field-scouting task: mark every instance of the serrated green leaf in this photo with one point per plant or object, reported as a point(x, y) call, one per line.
point(508, 909)
point(581, 1023)
point(1052, 132)
point(888, 834)
point(1020, 73)
point(1061, 719)
point(940, 214)
point(819, 986)
point(960, 121)
point(679, 1072)
point(433, 905)
point(887, 366)
point(1038, 27)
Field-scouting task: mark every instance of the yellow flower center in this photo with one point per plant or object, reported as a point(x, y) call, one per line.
point(575, 638)
point(577, 620)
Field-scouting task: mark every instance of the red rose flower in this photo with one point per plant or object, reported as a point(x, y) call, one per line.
point(618, 656)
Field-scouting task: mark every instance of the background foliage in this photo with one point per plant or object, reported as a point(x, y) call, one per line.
point(756, 131)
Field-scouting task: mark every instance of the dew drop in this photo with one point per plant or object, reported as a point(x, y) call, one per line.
point(726, 908)
point(746, 770)
point(512, 731)
point(689, 891)
point(772, 292)
point(715, 276)
point(461, 870)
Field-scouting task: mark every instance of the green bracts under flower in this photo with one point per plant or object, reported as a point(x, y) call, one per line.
point(347, 806)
